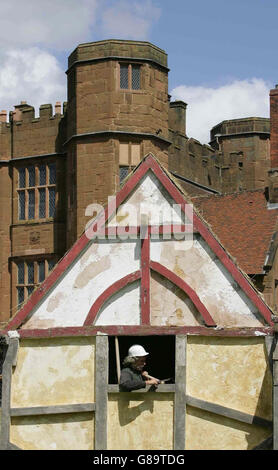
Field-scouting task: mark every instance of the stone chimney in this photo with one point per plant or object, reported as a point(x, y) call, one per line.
point(21, 109)
point(274, 127)
point(273, 172)
point(3, 116)
point(58, 107)
point(177, 121)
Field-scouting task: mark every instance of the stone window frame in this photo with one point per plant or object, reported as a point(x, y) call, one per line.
point(130, 64)
point(30, 281)
point(37, 210)
point(131, 161)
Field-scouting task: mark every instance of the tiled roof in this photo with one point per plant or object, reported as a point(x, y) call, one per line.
point(243, 224)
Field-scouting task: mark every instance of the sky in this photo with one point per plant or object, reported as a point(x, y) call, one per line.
point(221, 54)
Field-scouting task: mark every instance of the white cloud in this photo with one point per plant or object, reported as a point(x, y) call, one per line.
point(209, 106)
point(129, 19)
point(31, 75)
point(32, 33)
point(54, 23)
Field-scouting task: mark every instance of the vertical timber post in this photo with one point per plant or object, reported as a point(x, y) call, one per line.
point(10, 361)
point(275, 398)
point(101, 392)
point(180, 405)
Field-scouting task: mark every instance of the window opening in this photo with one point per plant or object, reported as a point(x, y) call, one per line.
point(129, 157)
point(41, 271)
point(161, 359)
point(51, 264)
point(124, 171)
point(42, 202)
point(135, 77)
point(22, 179)
point(31, 172)
point(42, 171)
point(31, 203)
point(38, 202)
point(29, 275)
point(52, 173)
point(31, 278)
point(21, 201)
point(130, 77)
point(124, 76)
point(52, 197)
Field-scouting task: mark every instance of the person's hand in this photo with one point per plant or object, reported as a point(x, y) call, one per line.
point(145, 373)
point(152, 382)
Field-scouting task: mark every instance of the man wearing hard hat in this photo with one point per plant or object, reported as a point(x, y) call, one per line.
point(133, 376)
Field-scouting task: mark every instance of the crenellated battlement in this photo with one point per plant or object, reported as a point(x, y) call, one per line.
point(24, 113)
point(24, 134)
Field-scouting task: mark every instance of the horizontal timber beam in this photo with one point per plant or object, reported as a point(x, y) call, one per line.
point(55, 409)
point(162, 388)
point(227, 412)
point(143, 330)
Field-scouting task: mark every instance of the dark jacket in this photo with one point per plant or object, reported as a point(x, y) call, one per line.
point(131, 380)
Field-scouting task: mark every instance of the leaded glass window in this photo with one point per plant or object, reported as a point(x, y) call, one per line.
point(42, 173)
point(42, 202)
point(124, 76)
point(38, 202)
point(32, 176)
point(31, 204)
point(130, 76)
point(135, 77)
point(124, 170)
point(21, 205)
point(22, 177)
point(29, 275)
point(51, 202)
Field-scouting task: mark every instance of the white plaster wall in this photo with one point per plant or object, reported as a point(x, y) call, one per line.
point(170, 306)
point(123, 308)
point(197, 265)
point(97, 268)
point(150, 198)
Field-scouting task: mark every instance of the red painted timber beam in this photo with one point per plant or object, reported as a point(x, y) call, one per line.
point(185, 288)
point(108, 293)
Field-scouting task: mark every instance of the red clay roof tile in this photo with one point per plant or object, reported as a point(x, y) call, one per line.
point(243, 224)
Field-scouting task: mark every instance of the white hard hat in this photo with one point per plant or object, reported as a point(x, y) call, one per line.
point(137, 350)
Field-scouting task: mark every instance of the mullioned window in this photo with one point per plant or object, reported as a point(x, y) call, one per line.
point(36, 191)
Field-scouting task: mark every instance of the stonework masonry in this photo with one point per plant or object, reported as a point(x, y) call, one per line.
point(117, 111)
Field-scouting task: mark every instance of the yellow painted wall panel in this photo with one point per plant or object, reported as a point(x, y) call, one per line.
point(208, 431)
point(54, 372)
point(143, 421)
point(54, 432)
point(231, 372)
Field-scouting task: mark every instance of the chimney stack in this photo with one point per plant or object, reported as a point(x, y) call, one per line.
point(58, 107)
point(177, 116)
point(3, 116)
point(274, 127)
point(273, 172)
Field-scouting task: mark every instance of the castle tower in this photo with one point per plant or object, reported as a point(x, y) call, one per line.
point(117, 113)
point(244, 153)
